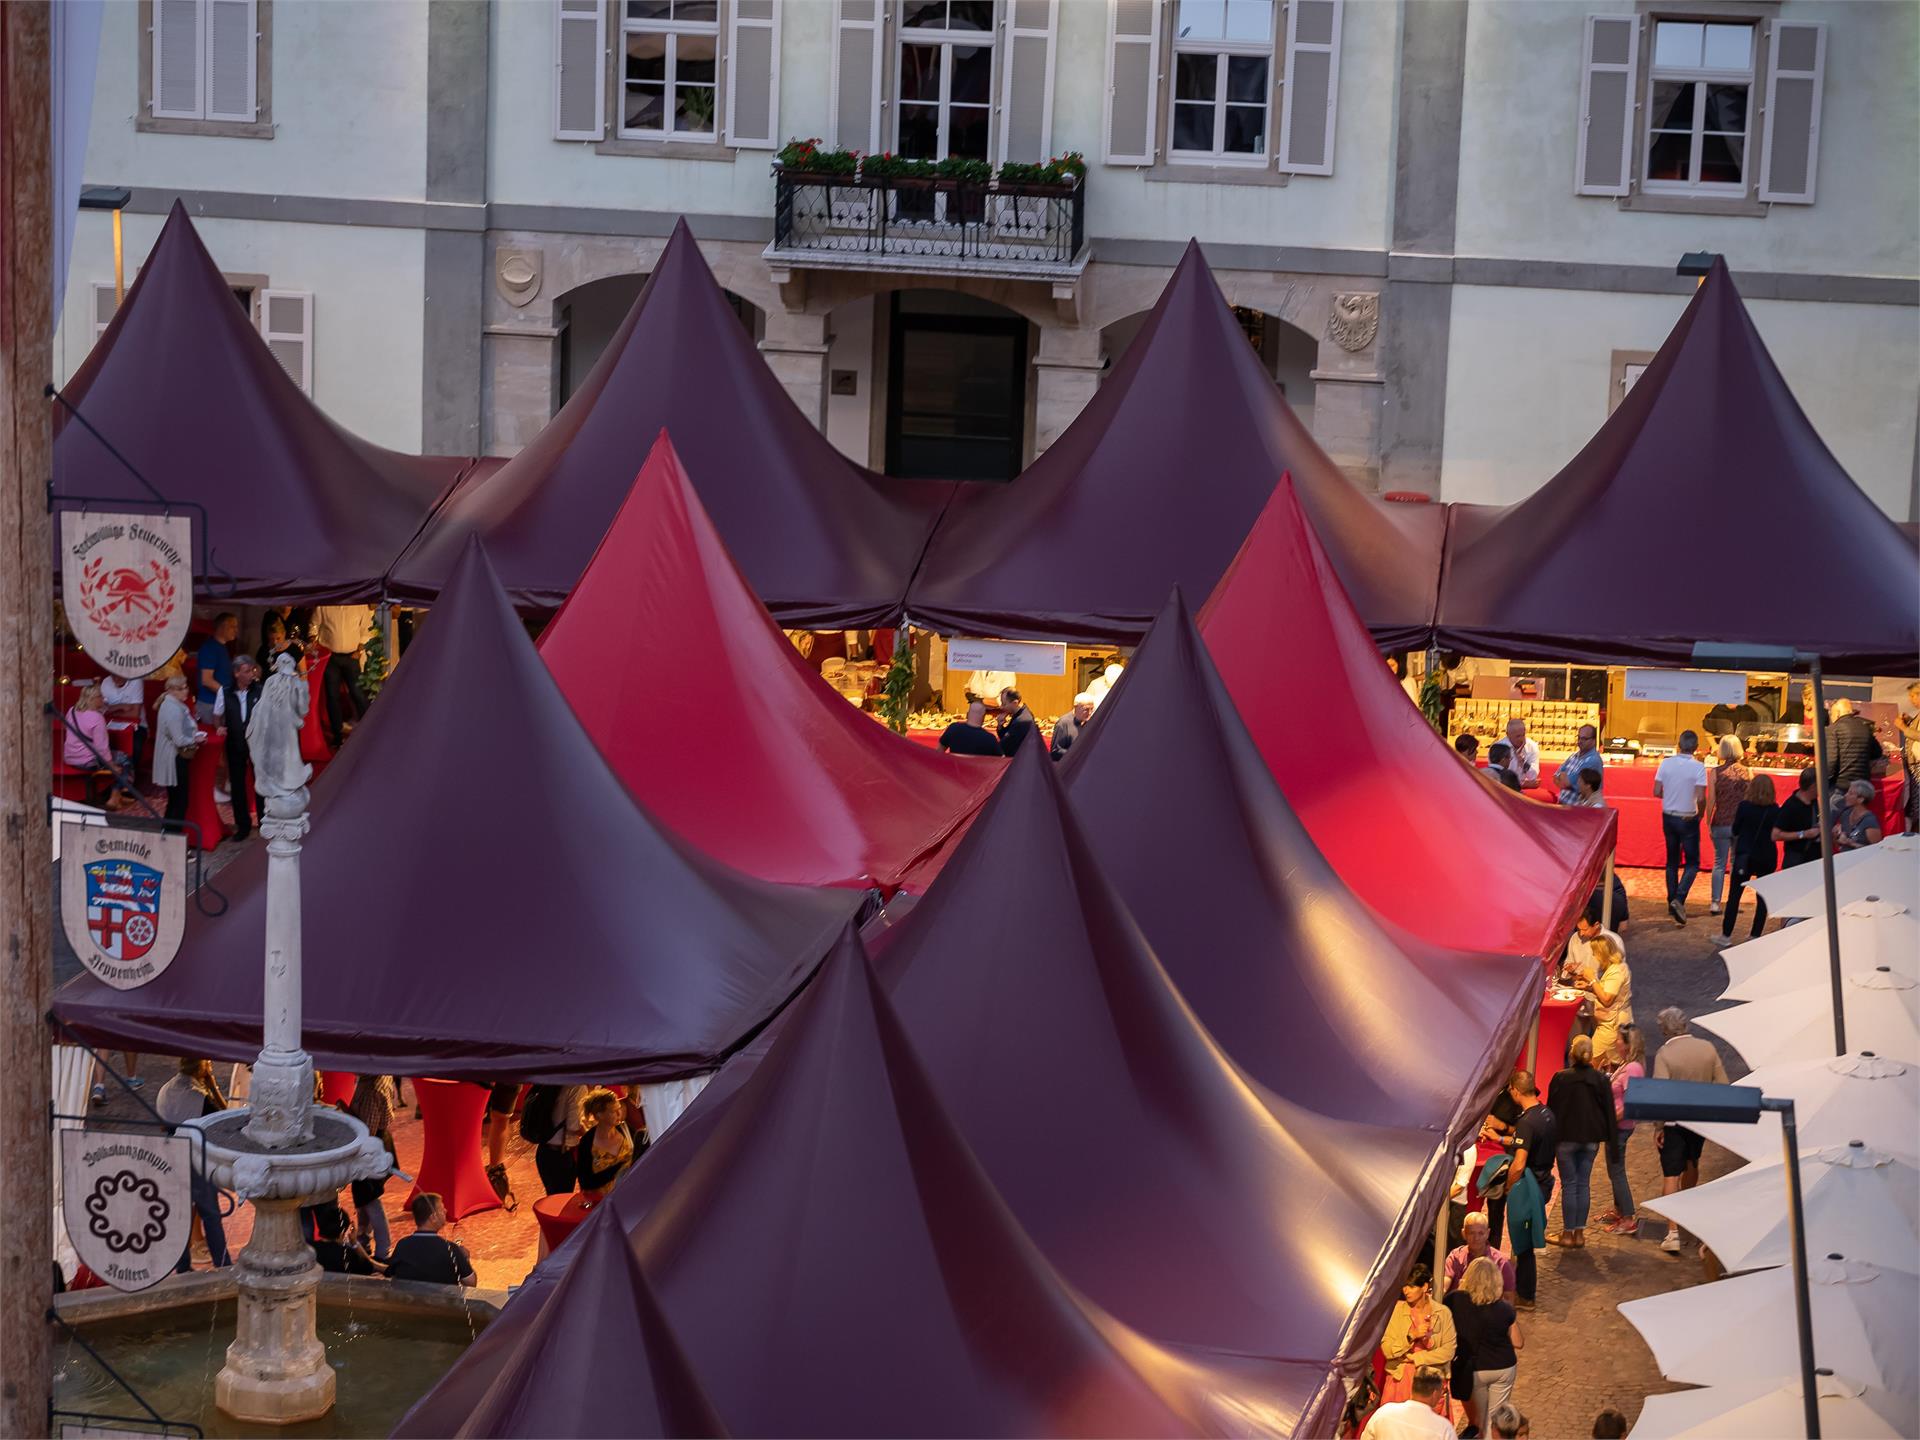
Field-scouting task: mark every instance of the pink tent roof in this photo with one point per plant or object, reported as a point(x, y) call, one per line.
point(483, 899)
point(716, 724)
point(1417, 834)
point(824, 543)
point(1647, 541)
point(182, 385)
point(1155, 484)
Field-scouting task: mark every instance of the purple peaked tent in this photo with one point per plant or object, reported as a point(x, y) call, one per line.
point(823, 542)
point(484, 899)
point(182, 385)
point(1155, 484)
point(1711, 436)
point(834, 1261)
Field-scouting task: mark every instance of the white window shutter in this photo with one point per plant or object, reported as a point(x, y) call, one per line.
point(1607, 97)
point(753, 75)
point(1310, 96)
point(1026, 80)
point(859, 50)
point(579, 69)
point(286, 324)
point(178, 50)
point(104, 306)
point(1133, 82)
point(1796, 72)
point(231, 63)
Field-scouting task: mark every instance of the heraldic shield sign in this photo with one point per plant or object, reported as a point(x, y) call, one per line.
point(127, 583)
point(128, 1199)
point(123, 900)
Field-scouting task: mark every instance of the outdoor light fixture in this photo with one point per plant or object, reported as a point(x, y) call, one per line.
point(1683, 1100)
point(1696, 263)
point(114, 198)
point(1718, 656)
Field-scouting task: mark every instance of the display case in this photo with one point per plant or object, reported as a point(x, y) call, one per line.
point(1553, 725)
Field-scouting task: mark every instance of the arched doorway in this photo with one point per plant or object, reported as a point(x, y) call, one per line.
point(589, 315)
point(956, 401)
point(1286, 352)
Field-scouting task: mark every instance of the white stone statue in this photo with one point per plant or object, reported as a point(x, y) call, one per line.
point(273, 731)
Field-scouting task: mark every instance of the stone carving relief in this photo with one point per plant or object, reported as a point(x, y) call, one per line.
point(1355, 321)
point(517, 275)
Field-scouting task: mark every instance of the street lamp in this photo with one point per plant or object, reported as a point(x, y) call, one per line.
point(1716, 656)
point(1682, 1100)
point(1696, 263)
point(114, 198)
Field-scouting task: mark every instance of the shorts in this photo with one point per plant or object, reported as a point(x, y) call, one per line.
point(500, 1101)
point(1680, 1148)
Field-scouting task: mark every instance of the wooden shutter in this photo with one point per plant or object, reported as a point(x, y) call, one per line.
point(1133, 81)
point(286, 324)
point(1026, 80)
point(232, 48)
point(1607, 91)
point(579, 70)
point(753, 75)
point(859, 48)
point(1311, 87)
point(104, 306)
point(178, 49)
point(1796, 69)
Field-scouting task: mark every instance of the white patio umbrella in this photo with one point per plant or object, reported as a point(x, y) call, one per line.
point(1849, 1410)
point(1890, 870)
point(1882, 1014)
point(1866, 1324)
point(1844, 1097)
point(1856, 1200)
point(1872, 933)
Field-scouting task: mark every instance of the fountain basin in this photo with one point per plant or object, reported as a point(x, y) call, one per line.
point(387, 1340)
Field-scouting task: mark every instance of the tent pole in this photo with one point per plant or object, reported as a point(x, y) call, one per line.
point(1825, 821)
point(1440, 1238)
point(1533, 1041)
point(1606, 892)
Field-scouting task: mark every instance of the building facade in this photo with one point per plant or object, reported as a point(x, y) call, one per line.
point(1448, 226)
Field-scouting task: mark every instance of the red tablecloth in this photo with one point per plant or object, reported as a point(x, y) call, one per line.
point(202, 771)
point(336, 1086)
point(314, 748)
point(1556, 1026)
point(450, 1165)
point(559, 1217)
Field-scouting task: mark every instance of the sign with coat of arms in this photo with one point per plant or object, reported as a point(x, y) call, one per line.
point(122, 900)
point(128, 1203)
point(127, 581)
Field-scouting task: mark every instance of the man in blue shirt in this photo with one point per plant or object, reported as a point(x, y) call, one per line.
point(216, 663)
point(1586, 756)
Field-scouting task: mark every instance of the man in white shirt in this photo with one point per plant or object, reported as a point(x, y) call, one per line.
point(1580, 947)
point(1525, 760)
point(126, 702)
point(343, 630)
point(1680, 784)
point(1414, 1419)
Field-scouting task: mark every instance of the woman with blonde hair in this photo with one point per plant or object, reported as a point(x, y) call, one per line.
point(1628, 1061)
point(176, 738)
point(1582, 1104)
point(1726, 788)
point(1611, 989)
point(1754, 855)
point(1487, 1332)
point(606, 1149)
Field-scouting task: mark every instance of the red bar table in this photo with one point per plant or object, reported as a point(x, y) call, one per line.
point(314, 748)
point(336, 1086)
point(559, 1217)
point(201, 808)
point(450, 1165)
point(1556, 1027)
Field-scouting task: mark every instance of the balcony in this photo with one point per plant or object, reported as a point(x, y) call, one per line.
point(925, 226)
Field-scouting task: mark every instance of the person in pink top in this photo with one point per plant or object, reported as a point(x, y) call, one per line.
point(1629, 1062)
point(1476, 1229)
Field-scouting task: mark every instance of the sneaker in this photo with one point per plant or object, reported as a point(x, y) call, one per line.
point(1611, 1217)
point(99, 1095)
point(1672, 1243)
point(1714, 909)
point(1721, 942)
point(134, 1082)
point(1624, 1227)
point(1678, 911)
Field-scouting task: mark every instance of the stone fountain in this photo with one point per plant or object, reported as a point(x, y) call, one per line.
point(280, 1152)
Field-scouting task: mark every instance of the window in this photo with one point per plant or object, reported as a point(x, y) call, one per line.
point(205, 67)
point(670, 69)
point(1222, 78)
point(1698, 101)
point(1624, 369)
point(946, 79)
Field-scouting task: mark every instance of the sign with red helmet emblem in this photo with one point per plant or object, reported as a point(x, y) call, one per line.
point(122, 900)
point(127, 581)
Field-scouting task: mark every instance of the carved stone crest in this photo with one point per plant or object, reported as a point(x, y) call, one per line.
point(517, 275)
point(1355, 321)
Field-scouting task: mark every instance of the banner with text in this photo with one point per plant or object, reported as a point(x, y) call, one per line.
point(1688, 687)
point(123, 900)
point(127, 584)
point(1022, 657)
point(129, 1203)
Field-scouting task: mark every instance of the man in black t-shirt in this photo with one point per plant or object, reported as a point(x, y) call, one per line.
point(425, 1254)
point(971, 736)
point(1796, 824)
point(1536, 1137)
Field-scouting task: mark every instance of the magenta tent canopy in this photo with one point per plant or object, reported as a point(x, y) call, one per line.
point(831, 1259)
point(1646, 542)
point(182, 385)
point(1154, 485)
point(824, 543)
point(483, 899)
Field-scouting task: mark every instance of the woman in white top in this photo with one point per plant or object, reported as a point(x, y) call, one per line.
point(175, 740)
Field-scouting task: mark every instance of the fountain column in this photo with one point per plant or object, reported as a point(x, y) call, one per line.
point(279, 1153)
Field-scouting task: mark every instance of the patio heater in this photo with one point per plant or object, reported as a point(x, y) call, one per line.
point(1784, 657)
point(1683, 1100)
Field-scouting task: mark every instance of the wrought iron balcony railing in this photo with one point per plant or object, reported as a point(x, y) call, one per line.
point(844, 220)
